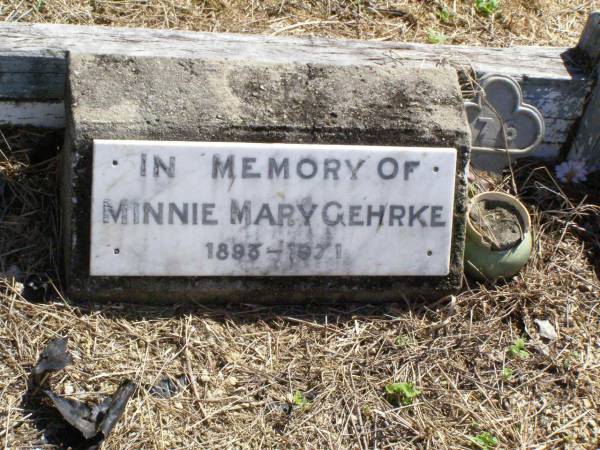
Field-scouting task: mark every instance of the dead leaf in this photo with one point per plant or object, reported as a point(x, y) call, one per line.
point(54, 357)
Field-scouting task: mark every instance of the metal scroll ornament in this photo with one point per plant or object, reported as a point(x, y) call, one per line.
point(500, 120)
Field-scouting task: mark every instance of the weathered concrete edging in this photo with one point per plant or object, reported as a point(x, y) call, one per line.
point(112, 97)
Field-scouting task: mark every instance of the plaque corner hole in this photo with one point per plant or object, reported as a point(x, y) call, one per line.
point(116, 251)
point(115, 162)
point(436, 169)
point(429, 253)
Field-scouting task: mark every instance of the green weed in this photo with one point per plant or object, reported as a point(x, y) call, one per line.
point(517, 349)
point(403, 341)
point(484, 440)
point(435, 37)
point(444, 15)
point(300, 400)
point(486, 7)
point(401, 393)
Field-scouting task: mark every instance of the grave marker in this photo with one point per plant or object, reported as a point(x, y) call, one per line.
point(213, 180)
point(231, 209)
point(500, 120)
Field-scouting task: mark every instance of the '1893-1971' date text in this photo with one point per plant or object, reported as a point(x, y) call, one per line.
point(253, 251)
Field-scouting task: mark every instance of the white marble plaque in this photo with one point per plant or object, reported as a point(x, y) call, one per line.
point(241, 209)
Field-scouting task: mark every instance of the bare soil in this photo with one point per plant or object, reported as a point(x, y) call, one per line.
point(499, 224)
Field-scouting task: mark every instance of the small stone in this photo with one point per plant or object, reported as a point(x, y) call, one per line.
point(546, 329)
point(19, 288)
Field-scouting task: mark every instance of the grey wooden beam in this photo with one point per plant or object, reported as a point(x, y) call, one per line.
point(32, 63)
point(47, 114)
point(586, 143)
point(32, 75)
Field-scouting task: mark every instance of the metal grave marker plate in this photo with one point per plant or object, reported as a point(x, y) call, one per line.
point(241, 209)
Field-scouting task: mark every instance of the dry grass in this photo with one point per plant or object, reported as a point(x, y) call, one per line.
point(247, 362)
point(518, 22)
